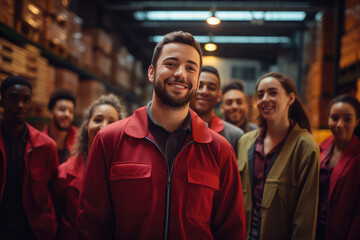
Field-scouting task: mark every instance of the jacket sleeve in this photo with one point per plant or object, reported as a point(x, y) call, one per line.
point(305, 214)
point(228, 216)
point(95, 211)
point(354, 232)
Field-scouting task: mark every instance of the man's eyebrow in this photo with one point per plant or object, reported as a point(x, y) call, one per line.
point(176, 59)
point(171, 58)
point(192, 62)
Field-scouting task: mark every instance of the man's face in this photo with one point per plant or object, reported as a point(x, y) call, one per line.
point(176, 77)
point(207, 95)
point(16, 103)
point(62, 114)
point(234, 106)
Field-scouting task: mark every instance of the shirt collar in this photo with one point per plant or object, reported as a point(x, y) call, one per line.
point(186, 125)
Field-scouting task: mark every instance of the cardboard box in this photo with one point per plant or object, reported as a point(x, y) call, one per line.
point(101, 40)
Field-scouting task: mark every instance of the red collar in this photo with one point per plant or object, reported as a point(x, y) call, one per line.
point(349, 154)
point(216, 124)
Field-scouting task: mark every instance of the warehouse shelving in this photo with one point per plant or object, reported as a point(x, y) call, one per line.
point(11, 35)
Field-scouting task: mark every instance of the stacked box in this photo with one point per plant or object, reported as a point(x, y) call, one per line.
point(318, 83)
point(75, 42)
point(29, 63)
point(89, 91)
point(350, 48)
point(87, 61)
point(7, 12)
point(318, 91)
point(16, 60)
point(122, 69)
point(102, 49)
point(352, 14)
point(30, 19)
point(56, 24)
point(67, 79)
point(102, 65)
point(358, 89)
point(101, 40)
point(324, 44)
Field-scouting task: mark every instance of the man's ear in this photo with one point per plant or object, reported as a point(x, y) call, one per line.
point(151, 73)
point(219, 96)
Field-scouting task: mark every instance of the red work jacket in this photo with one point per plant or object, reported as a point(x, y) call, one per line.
point(128, 192)
point(343, 212)
point(67, 190)
point(41, 163)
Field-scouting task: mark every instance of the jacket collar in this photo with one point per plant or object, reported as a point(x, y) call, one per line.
point(137, 127)
point(347, 156)
point(76, 164)
point(216, 124)
point(34, 139)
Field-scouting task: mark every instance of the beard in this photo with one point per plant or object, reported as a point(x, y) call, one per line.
point(173, 101)
point(59, 127)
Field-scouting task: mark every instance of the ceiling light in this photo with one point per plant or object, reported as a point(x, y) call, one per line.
point(223, 15)
point(210, 47)
point(213, 20)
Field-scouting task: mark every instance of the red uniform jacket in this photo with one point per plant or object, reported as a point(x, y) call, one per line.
point(343, 214)
point(41, 163)
point(67, 190)
point(128, 193)
point(71, 136)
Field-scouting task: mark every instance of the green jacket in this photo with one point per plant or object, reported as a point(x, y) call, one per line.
point(290, 194)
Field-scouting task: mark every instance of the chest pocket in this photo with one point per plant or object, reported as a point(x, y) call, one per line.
point(203, 185)
point(270, 188)
point(276, 190)
point(131, 187)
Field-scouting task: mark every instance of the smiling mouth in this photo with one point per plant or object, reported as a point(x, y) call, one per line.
point(177, 85)
point(268, 108)
point(202, 100)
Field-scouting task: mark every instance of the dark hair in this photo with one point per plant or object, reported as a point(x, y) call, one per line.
point(13, 80)
point(61, 94)
point(234, 84)
point(176, 37)
point(346, 98)
point(81, 144)
point(212, 70)
point(296, 110)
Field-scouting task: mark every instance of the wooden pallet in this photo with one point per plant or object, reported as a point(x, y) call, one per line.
point(25, 29)
point(58, 49)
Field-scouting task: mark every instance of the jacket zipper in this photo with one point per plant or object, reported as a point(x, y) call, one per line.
point(168, 188)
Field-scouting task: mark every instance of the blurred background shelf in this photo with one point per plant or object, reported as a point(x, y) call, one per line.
point(11, 35)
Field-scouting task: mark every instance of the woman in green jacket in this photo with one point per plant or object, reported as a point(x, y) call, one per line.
point(279, 165)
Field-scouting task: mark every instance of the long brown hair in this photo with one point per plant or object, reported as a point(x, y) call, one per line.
point(296, 110)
